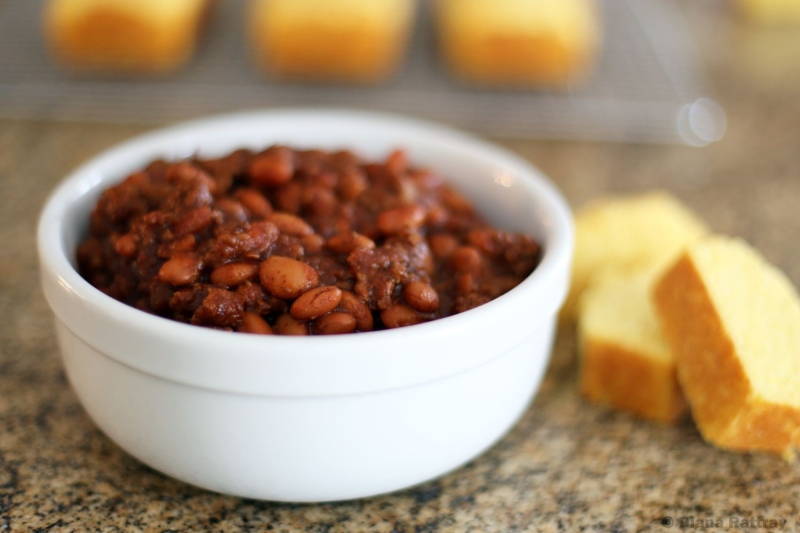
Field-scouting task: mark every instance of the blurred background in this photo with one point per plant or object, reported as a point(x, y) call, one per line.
point(609, 70)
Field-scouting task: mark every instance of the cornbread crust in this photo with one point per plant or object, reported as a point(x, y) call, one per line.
point(725, 409)
point(120, 39)
point(482, 45)
point(517, 59)
point(625, 235)
point(626, 363)
point(616, 376)
point(344, 47)
point(770, 12)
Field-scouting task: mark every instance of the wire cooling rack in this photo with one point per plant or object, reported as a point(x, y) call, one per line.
point(648, 86)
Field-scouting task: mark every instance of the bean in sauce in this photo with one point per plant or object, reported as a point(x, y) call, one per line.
point(297, 242)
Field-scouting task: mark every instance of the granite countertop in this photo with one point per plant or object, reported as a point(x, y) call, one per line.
point(567, 466)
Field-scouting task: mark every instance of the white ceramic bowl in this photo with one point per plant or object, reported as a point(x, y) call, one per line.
point(317, 418)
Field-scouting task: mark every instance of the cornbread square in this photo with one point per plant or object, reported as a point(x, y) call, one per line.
point(335, 40)
point(733, 321)
point(628, 234)
point(770, 12)
point(150, 36)
point(625, 360)
point(548, 43)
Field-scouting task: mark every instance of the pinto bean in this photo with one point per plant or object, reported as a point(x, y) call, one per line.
point(421, 296)
point(312, 243)
point(194, 221)
point(442, 245)
point(393, 221)
point(272, 168)
point(316, 302)
point(253, 323)
point(344, 243)
point(437, 217)
point(352, 184)
point(255, 202)
point(324, 204)
point(334, 324)
point(353, 305)
point(397, 162)
point(466, 259)
point(398, 316)
point(287, 197)
point(487, 240)
point(325, 179)
point(287, 278)
point(290, 224)
point(465, 284)
point(186, 243)
point(232, 209)
point(187, 171)
point(182, 269)
point(456, 202)
point(126, 246)
point(289, 325)
point(233, 274)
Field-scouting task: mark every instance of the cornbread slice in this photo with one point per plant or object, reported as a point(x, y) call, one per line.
point(336, 40)
point(626, 362)
point(124, 35)
point(628, 234)
point(733, 321)
point(770, 12)
point(546, 43)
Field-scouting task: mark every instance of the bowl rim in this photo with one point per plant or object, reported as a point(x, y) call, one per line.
point(57, 268)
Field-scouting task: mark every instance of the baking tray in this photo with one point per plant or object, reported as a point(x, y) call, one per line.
point(648, 86)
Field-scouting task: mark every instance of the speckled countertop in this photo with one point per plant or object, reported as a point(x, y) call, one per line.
point(567, 466)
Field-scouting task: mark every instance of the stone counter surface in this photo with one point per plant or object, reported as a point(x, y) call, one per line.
point(567, 466)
